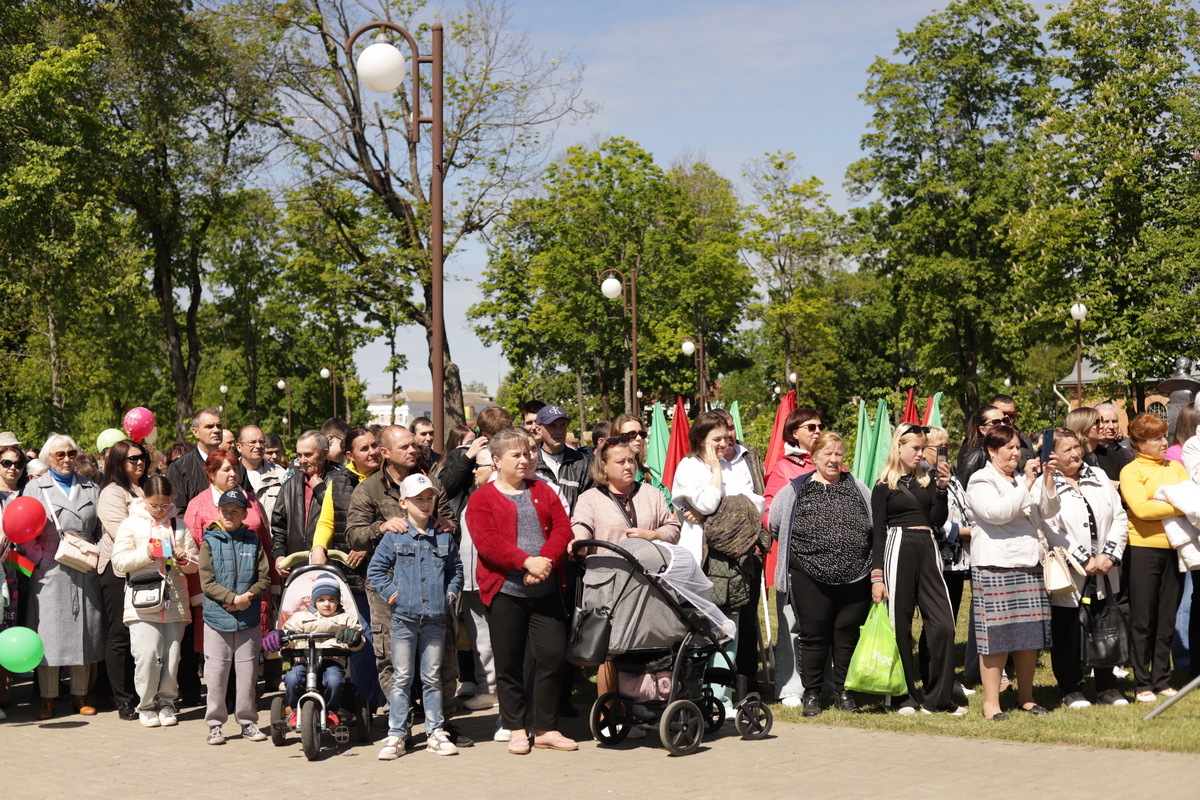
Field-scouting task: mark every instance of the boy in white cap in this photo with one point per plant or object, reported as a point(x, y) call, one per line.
point(426, 579)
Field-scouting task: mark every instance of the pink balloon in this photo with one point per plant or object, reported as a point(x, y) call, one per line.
point(138, 423)
point(24, 519)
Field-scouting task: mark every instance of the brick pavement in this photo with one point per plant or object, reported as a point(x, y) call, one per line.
point(103, 757)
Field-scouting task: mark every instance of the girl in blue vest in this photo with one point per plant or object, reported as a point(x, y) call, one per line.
point(234, 574)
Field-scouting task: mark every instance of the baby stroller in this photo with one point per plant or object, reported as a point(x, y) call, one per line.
point(312, 715)
point(662, 631)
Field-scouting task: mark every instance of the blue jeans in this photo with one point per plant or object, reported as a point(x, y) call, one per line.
point(426, 639)
point(333, 678)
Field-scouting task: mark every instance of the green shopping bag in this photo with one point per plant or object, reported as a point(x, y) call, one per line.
point(875, 667)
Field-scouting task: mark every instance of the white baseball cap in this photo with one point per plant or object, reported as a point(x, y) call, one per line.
point(414, 485)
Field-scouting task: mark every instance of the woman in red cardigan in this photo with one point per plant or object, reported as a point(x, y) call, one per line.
point(521, 532)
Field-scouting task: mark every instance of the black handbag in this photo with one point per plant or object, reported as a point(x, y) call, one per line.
point(587, 646)
point(1105, 639)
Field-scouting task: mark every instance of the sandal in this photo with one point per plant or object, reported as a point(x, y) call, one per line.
point(1036, 710)
point(553, 740)
point(518, 743)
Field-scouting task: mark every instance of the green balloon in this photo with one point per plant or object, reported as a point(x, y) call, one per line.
point(20, 649)
point(108, 438)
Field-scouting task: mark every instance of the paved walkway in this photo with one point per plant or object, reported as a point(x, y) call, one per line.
point(103, 757)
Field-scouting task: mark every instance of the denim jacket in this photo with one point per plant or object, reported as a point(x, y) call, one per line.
point(425, 569)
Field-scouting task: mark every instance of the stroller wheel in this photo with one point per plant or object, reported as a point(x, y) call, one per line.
point(714, 713)
point(278, 721)
point(310, 729)
point(364, 718)
point(753, 719)
point(681, 728)
point(610, 719)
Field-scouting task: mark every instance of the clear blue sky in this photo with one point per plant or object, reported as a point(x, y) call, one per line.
point(729, 80)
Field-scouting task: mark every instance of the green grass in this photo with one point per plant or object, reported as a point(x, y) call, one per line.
point(1176, 730)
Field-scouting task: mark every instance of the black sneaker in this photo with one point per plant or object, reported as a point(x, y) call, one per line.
point(127, 711)
point(460, 739)
point(845, 702)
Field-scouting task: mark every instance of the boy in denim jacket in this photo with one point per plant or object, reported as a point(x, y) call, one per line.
point(427, 576)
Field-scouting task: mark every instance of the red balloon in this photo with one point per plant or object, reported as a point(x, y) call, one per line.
point(24, 519)
point(138, 423)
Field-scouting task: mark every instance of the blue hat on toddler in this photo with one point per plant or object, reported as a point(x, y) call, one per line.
point(324, 586)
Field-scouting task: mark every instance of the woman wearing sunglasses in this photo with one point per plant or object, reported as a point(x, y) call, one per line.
point(125, 471)
point(12, 478)
point(630, 426)
point(973, 457)
point(64, 603)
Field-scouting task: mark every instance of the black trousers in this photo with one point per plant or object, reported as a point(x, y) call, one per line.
point(749, 632)
point(1155, 586)
point(540, 622)
point(913, 558)
point(189, 666)
point(954, 587)
point(1065, 656)
point(118, 661)
point(829, 617)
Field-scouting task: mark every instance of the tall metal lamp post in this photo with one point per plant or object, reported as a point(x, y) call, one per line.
point(695, 347)
point(381, 67)
point(1079, 314)
point(224, 403)
point(613, 284)
point(286, 386)
point(331, 376)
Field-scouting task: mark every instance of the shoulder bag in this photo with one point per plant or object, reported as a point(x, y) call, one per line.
point(1106, 634)
point(1056, 567)
point(73, 550)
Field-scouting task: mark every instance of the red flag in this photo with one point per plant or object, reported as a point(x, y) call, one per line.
point(678, 447)
point(928, 411)
point(910, 409)
point(775, 450)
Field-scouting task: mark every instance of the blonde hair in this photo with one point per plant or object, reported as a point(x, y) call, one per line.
point(825, 439)
point(892, 470)
point(937, 433)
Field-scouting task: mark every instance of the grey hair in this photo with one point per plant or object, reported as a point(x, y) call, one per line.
point(321, 439)
point(53, 442)
point(1108, 407)
point(212, 412)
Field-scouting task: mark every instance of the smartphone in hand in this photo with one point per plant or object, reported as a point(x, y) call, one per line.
point(941, 455)
point(1047, 444)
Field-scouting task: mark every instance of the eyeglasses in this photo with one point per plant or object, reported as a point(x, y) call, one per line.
point(7, 464)
point(145, 459)
point(158, 505)
point(813, 427)
point(65, 454)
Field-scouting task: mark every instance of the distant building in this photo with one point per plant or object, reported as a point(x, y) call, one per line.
point(1156, 401)
point(408, 405)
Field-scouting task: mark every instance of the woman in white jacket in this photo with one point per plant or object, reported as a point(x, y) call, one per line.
point(155, 633)
point(1012, 609)
point(1092, 527)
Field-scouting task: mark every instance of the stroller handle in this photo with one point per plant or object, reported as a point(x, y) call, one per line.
point(621, 551)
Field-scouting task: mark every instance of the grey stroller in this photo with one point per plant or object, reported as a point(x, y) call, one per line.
point(661, 637)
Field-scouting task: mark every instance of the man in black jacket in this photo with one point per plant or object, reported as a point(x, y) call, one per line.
point(186, 473)
point(298, 506)
point(563, 466)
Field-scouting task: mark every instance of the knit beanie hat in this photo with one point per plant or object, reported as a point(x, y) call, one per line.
point(324, 586)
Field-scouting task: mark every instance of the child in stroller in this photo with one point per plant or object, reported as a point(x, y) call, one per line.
point(325, 616)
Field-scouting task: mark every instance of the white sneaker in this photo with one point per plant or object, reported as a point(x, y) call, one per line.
point(439, 744)
point(1076, 700)
point(148, 719)
point(1146, 697)
point(954, 711)
point(906, 711)
point(393, 748)
point(1168, 692)
point(502, 735)
point(966, 692)
point(1120, 673)
point(792, 701)
point(166, 717)
point(482, 702)
point(467, 689)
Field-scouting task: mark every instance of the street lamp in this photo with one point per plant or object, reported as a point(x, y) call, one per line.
point(381, 67)
point(286, 385)
point(1079, 314)
point(612, 285)
point(224, 392)
point(695, 347)
point(794, 379)
point(331, 376)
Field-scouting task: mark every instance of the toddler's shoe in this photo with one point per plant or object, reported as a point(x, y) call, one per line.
point(439, 744)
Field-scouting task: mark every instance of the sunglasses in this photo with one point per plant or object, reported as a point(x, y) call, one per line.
point(919, 430)
point(993, 422)
point(620, 439)
point(7, 464)
point(145, 459)
point(635, 434)
point(65, 454)
point(813, 427)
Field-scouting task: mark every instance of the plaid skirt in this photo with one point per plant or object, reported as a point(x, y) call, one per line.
point(1012, 609)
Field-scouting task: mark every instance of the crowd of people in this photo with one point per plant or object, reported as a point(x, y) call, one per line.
point(461, 566)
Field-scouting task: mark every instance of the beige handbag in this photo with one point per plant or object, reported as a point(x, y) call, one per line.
point(73, 550)
point(1056, 568)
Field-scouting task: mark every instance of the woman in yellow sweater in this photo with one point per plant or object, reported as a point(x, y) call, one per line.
point(1152, 571)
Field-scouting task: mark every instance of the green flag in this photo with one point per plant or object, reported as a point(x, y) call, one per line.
point(883, 442)
point(864, 444)
point(656, 451)
point(737, 419)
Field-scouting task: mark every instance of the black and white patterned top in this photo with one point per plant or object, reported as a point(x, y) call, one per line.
point(831, 532)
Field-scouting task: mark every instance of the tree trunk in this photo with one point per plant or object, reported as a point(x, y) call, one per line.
point(605, 406)
point(579, 399)
point(56, 398)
